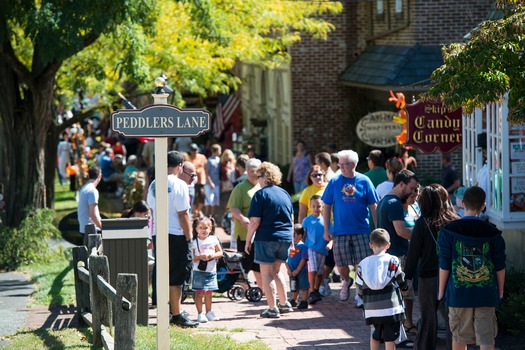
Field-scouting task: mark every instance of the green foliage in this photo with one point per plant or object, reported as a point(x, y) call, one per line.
point(512, 310)
point(196, 43)
point(134, 191)
point(28, 243)
point(486, 67)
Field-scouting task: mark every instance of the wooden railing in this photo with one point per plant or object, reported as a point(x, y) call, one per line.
point(99, 304)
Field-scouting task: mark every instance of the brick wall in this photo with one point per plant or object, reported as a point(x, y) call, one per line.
point(320, 103)
point(447, 21)
point(429, 165)
point(323, 110)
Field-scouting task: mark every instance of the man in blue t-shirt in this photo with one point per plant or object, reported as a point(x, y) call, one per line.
point(351, 196)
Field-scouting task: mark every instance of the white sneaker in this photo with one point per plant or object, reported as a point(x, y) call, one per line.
point(202, 318)
point(322, 290)
point(345, 291)
point(358, 301)
point(327, 289)
point(211, 316)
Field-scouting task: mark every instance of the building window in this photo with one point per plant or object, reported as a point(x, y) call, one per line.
point(380, 8)
point(494, 159)
point(398, 9)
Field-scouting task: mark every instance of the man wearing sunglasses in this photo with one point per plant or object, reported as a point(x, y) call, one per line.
point(188, 175)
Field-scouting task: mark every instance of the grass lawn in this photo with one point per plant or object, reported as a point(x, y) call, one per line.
point(146, 339)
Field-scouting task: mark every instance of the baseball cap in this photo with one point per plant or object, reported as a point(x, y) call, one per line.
point(175, 159)
point(194, 146)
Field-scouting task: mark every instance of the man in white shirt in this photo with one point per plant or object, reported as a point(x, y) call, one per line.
point(179, 236)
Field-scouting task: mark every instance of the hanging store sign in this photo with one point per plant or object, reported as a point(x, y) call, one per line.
point(432, 126)
point(378, 130)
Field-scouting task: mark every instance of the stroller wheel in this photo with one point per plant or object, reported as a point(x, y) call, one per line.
point(230, 293)
point(254, 294)
point(238, 293)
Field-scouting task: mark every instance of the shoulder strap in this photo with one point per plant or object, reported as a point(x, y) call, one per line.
point(198, 249)
point(430, 231)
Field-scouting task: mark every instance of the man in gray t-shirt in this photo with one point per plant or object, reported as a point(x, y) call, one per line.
point(88, 212)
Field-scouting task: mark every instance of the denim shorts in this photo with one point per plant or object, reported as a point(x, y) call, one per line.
point(203, 281)
point(302, 280)
point(268, 252)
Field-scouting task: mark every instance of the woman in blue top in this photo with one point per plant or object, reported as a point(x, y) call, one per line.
point(271, 215)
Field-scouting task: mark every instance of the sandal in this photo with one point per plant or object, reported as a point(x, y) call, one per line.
point(406, 344)
point(411, 330)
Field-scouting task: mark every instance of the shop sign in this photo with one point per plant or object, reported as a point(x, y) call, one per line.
point(432, 126)
point(161, 121)
point(378, 130)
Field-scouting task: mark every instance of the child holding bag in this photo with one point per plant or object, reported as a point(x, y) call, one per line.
point(206, 250)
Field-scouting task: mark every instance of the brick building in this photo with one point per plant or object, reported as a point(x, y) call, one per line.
point(378, 45)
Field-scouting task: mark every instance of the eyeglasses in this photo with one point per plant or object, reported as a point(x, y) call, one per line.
point(190, 175)
point(344, 164)
point(316, 175)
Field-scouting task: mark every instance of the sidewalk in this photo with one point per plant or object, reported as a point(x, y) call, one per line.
point(15, 290)
point(325, 325)
point(328, 324)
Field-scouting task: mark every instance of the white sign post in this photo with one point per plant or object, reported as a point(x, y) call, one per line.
point(161, 229)
point(161, 121)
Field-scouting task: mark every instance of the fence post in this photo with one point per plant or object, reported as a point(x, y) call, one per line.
point(126, 320)
point(100, 305)
point(81, 288)
point(89, 229)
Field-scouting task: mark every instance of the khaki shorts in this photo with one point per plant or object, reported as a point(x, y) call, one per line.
point(473, 325)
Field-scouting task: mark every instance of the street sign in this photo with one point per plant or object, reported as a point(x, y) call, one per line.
point(161, 121)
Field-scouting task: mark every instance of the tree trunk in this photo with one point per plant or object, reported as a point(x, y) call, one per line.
point(51, 164)
point(26, 115)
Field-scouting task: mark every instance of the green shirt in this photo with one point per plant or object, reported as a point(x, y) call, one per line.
point(377, 175)
point(240, 198)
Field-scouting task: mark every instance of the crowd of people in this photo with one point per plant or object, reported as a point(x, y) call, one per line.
point(381, 229)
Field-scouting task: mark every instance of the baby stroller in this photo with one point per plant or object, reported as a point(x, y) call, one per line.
point(229, 274)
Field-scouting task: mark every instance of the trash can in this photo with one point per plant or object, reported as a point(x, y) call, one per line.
point(124, 242)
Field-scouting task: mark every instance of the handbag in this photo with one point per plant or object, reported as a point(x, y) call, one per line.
point(203, 265)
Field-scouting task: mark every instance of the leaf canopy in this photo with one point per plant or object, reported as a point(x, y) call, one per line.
point(195, 43)
point(490, 64)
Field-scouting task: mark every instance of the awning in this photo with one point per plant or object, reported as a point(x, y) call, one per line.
point(389, 67)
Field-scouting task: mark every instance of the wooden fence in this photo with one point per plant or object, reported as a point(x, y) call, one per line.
point(99, 304)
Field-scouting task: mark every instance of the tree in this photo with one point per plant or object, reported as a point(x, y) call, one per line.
point(49, 49)
point(487, 66)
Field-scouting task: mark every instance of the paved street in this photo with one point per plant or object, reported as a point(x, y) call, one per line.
point(15, 290)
